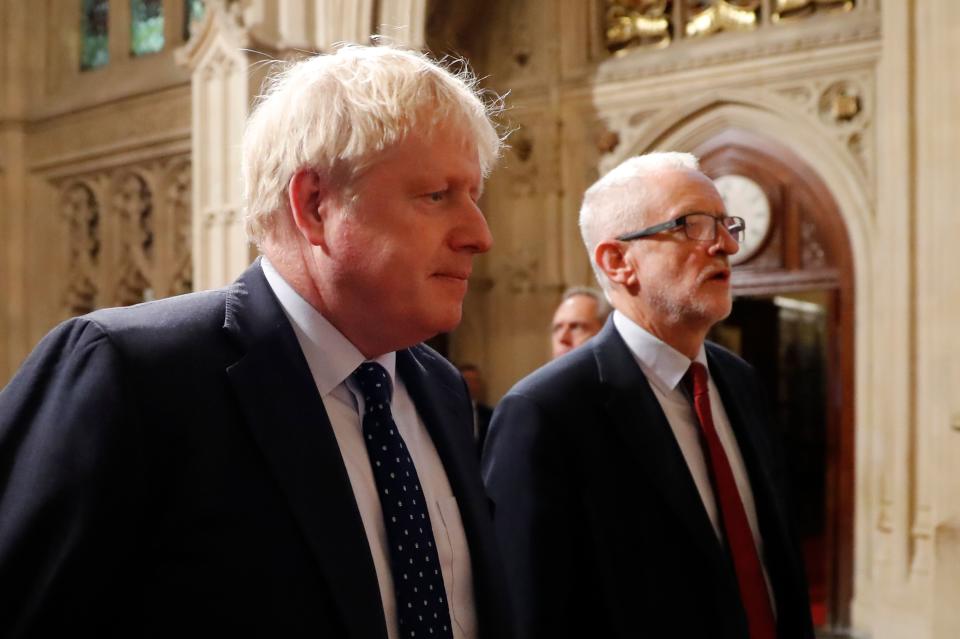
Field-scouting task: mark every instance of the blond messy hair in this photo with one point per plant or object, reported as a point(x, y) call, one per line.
point(335, 112)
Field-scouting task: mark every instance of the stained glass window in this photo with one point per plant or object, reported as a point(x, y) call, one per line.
point(146, 26)
point(192, 12)
point(94, 51)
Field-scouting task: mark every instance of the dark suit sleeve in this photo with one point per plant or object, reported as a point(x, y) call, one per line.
point(523, 471)
point(67, 476)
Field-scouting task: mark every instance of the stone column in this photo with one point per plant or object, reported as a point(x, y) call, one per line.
point(910, 585)
point(935, 525)
point(226, 55)
point(225, 80)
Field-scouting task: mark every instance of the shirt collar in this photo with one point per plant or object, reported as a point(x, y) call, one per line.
point(330, 356)
point(663, 365)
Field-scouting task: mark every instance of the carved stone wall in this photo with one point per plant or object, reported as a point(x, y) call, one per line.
point(128, 234)
point(96, 185)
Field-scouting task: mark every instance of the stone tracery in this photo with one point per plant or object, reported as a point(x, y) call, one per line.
point(136, 248)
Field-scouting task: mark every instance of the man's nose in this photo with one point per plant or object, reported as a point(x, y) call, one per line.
point(725, 242)
point(475, 234)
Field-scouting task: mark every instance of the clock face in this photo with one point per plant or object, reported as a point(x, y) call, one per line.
point(745, 198)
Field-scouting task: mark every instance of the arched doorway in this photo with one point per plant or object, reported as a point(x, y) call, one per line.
point(793, 319)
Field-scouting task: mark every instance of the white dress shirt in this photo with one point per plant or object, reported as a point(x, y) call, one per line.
point(332, 358)
point(664, 367)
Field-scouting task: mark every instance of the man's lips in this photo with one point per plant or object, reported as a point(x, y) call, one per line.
point(718, 275)
point(454, 275)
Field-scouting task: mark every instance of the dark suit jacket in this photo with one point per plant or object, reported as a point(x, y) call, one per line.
point(169, 469)
point(601, 526)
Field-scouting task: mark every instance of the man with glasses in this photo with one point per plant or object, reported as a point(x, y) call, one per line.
point(637, 481)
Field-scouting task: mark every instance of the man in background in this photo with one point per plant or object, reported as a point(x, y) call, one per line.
point(281, 457)
point(580, 316)
point(637, 481)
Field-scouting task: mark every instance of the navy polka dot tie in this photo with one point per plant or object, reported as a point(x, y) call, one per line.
point(417, 580)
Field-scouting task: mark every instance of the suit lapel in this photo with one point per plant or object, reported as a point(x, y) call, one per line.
point(748, 432)
point(443, 411)
point(286, 416)
point(637, 415)
point(447, 415)
point(439, 409)
point(753, 448)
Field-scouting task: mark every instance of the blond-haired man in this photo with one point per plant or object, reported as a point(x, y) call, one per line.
point(281, 457)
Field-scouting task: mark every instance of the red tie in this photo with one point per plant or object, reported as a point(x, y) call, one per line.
point(746, 562)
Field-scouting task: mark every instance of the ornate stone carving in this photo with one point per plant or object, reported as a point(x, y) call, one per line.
point(705, 17)
point(813, 255)
point(617, 131)
point(607, 141)
point(521, 52)
point(178, 207)
point(840, 103)
point(654, 24)
point(133, 206)
point(520, 271)
point(800, 95)
point(134, 202)
point(136, 248)
point(524, 171)
point(636, 24)
point(133, 287)
point(621, 34)
point(842, 108)
point(522, 147)
point(81, 210)
point(797, 9)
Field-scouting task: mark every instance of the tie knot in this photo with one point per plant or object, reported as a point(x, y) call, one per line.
point(373, 380)
point(696, 379)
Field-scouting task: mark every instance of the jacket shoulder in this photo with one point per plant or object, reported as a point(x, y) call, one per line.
point(180, 328)
point(171, 313)
point(570, 376)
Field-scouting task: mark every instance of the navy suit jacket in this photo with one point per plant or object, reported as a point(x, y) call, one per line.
point(169, 469)
point(602, 528)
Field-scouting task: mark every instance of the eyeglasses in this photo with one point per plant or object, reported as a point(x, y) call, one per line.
point(697, 226)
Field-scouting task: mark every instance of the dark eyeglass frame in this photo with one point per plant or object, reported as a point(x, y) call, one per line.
point(735, 227)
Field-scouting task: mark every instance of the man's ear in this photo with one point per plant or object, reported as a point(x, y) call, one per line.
point(611, 257)
point(310, 199)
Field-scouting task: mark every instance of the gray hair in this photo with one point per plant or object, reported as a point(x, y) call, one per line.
point(617, 202)
point(603, 305)
point(335, 112)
